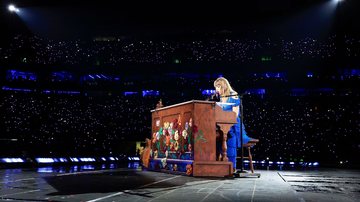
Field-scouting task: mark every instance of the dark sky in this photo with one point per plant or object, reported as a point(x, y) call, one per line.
point(76, 19)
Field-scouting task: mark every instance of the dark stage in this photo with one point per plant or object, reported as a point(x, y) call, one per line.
point(133, 184)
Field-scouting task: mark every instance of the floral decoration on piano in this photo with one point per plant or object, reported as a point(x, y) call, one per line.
point(174, 141)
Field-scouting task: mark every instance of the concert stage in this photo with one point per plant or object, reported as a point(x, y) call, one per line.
point(133, 184)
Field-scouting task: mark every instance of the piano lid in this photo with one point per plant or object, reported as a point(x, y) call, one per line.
point(183, 103)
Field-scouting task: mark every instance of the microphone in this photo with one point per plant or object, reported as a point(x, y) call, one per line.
point(215, 97)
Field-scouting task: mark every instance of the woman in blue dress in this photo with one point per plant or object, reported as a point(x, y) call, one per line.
point(230, 96)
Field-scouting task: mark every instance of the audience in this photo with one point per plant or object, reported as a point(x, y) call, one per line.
point(310, 123)
point(291, 128)
point(117, 51)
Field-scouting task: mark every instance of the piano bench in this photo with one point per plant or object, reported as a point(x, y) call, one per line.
point(249, 157)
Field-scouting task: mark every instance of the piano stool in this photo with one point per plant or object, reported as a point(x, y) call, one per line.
point(249, 157)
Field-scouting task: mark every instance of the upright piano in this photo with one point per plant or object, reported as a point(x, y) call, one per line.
point(184, 139)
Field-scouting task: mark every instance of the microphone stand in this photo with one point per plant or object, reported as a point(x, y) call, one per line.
point(242, 172)
point(241, 134)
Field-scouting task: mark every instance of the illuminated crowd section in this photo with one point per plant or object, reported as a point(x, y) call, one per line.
point(117, 51)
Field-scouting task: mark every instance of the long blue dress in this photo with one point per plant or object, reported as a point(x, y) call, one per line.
point(233, 136)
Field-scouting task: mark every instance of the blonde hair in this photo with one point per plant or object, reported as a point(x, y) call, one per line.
point(224, 84)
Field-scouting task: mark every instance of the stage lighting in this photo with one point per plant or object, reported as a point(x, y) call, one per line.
point(45, 170)
point(63, 159)
point(88, 167)
point(87, 159)
point(12, 160)
point(12, 8)
point(45, 160)
point(74, 159)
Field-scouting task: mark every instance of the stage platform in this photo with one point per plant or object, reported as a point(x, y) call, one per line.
point(133, 184)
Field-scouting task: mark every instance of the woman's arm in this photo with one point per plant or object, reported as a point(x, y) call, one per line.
point(236, 110)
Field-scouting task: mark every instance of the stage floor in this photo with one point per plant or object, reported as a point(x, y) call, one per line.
point(133, 184)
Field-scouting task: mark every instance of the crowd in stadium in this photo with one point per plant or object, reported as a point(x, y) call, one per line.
point(114, 51)
point(289, 127)
point(292, 124)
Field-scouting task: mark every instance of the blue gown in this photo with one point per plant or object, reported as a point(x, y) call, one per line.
point(233, 136)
